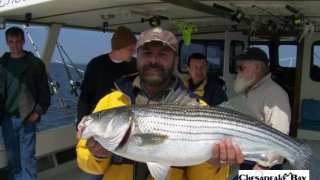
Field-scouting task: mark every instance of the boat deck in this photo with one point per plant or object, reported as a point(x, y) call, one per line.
point(66, 172)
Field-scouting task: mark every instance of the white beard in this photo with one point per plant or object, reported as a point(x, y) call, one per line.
point(243, 83)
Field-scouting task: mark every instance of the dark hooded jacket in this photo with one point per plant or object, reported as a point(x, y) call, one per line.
point(34, 93)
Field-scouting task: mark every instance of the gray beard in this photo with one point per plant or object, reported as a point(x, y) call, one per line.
point(242, 84)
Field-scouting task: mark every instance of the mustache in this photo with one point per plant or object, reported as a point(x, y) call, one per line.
point(152, 66)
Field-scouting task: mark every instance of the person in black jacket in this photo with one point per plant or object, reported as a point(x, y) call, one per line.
point(197, 80)
point(24, 97)
point(102, 71)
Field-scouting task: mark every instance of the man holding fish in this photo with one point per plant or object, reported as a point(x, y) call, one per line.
point(156, 59)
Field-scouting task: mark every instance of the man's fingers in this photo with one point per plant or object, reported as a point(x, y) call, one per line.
point(239, 155)
point(223, 151)
point(230, 151)
point(97, 149)
point(219, 154)
point(216, 151)
point(91, 143)
point(81, 127)
point(79, 132)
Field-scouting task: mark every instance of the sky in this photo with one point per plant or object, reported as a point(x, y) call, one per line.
point(80, 45)
point(83, 45)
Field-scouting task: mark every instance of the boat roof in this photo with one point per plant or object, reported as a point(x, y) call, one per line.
point(205, 16)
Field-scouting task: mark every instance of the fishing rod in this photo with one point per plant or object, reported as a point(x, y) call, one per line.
point(287, 21)
point(269, 13)
point(70, 66)
point(300, 19)
point(54, 85)
point(78, 71)
point(73, 65)
point(74, 84)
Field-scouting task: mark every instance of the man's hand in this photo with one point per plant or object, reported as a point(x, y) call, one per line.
point(93, 146)
point(225, 153)
point(96, 149)
point(80, 130)
point(34, 117)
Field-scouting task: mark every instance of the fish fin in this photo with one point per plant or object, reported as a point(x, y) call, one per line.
point(239, 104)
point(158, 171)
point(145, 139)
point(181, 97)
point(256, 156)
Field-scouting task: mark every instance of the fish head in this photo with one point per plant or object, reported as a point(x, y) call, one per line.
point(109, 127)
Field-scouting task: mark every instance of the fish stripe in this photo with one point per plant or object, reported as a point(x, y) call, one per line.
point(238, 124)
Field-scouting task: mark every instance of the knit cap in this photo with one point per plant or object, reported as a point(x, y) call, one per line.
point(122, 37)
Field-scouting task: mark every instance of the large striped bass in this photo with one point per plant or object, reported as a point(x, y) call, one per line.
point(180, 135)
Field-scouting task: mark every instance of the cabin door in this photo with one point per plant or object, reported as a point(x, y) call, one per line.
point(309, 58)
point(235, 42)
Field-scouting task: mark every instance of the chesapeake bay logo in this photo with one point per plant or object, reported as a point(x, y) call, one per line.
point(273, 175)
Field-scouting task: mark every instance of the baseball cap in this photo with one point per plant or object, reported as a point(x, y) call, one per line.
point(253, 54)
point(158, 34)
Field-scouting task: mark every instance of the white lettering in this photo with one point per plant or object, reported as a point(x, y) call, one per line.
point(274, 175)
point(6, 5)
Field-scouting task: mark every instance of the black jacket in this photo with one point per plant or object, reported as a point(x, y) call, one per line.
point(34, 93)
point(101, 72)
point(213, 92)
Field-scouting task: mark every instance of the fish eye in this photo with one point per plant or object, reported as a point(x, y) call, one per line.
point(96, 114)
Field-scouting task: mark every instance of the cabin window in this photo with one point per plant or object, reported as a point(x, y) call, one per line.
point(287, 55)
point(236, 47)
point(213, 50)
point(315, 62)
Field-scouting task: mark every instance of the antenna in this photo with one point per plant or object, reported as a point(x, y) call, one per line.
point(105, 25)
point(28, 18)
point(2, 23)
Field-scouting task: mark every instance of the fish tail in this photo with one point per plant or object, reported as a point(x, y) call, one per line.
point(302, 156)
point(313, 165)
point(306, 158)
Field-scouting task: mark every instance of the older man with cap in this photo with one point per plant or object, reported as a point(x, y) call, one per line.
point(157, 58)
point(102, 71)
point(264, 97)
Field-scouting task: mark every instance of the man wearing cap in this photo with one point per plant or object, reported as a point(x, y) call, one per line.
point(267, 100)
point(102, 71)
point(157, 58)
